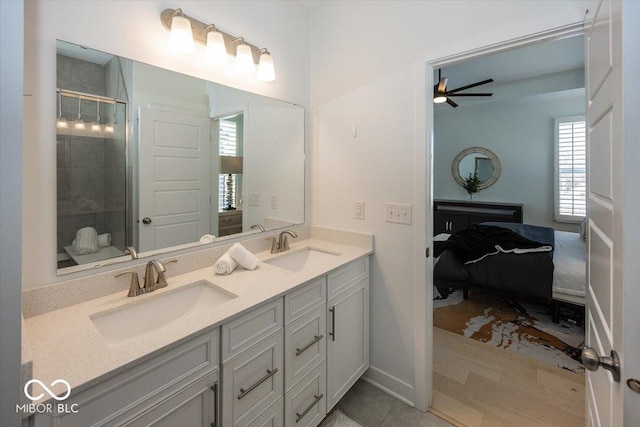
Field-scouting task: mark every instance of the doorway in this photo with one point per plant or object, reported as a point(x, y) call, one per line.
point(474, 382)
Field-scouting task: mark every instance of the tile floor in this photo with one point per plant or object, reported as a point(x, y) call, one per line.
point(373, 408)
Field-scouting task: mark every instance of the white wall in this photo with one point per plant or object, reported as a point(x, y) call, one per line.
point(368, 69)
point(133, 30)
point(521, 133)
point(11, 95)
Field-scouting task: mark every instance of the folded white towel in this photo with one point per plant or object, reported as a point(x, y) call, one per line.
point(207, 238)
point(225, 264)
point(243, 257)
point(104, 240)
point(86, 241)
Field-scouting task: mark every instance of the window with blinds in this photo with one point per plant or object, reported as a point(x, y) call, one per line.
point(571, 170)
point(228, 140)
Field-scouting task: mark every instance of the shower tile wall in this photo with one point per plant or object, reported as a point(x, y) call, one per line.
point(90, 170)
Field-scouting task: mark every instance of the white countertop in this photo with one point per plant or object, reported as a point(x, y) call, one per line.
point(66, 345)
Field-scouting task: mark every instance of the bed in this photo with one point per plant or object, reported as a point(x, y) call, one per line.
point(550, 276)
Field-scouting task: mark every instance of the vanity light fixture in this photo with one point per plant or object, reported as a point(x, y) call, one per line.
point(266, 72)
point(244, 58)
point(216, 51)
point(61, 123)
point(79, 123)
point(181, 38)
point(218, 44)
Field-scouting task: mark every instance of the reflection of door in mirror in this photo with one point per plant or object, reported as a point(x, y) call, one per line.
point(91, 161)
point(484, 168)
point(173, 180)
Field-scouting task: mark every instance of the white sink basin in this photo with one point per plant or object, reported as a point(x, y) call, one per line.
point(154, 312)
point(297, 260)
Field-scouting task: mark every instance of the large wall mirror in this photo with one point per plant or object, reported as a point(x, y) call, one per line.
point(478, 161)
point(156, 160)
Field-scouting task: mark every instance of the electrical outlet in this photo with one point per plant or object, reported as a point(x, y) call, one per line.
point(274, 201)
point(398, 213)
point(358, 210)
point(253, 199)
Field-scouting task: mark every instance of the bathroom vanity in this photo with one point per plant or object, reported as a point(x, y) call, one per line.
point(279, 345)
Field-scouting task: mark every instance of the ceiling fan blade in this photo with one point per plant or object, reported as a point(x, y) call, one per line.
point(450, 102)
point(469, 94)
point(442, 85)
point(483, 82)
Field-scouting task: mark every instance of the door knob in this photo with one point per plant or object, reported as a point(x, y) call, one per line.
point(592, 361)
point(146, 220)
point(634, 384)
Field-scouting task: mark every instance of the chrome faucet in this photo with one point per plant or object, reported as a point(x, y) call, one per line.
point(134, 287)
point(151, 284)
point(257, 227)
point(130, 250)
point(282, 244)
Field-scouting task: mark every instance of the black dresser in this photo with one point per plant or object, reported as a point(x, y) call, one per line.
point(450, 216)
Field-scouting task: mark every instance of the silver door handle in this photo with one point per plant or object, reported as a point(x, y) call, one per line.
point(592, 361)
point(146, 220)
point(316, 338)
point(270, 373)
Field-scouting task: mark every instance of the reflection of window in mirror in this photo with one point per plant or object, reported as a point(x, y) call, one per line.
point(230, 178)
point(484, 168)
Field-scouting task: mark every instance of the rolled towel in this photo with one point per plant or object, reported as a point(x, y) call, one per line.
point(86, 241)
point(225, 264)
point(104, 240)
point(243, 257)
point(207, 238)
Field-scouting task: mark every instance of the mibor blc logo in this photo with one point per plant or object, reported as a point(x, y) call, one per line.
point(47, 408)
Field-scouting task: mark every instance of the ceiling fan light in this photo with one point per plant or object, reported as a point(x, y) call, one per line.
point(439, 99)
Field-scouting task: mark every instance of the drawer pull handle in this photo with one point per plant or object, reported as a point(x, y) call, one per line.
point(270, 373)
point(214, 387)
point(316, 338)
point(333, 323)
point(316, 400)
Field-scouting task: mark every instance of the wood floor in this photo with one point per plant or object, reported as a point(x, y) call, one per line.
point(478, 385)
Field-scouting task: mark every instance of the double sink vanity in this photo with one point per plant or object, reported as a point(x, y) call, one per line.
point(279, 345)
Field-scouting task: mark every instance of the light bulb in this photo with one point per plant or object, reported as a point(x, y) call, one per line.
point(216, 51)
point(79, 124)
point(181, 38)
point(244, 60)
point(108, 128)
point(96, 127)
point(62, 123)
point(266, 72)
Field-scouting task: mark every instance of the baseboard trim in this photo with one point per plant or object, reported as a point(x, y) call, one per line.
point(389, 384)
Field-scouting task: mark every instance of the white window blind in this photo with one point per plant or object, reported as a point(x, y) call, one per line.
point(571, 169)
point(228, 139)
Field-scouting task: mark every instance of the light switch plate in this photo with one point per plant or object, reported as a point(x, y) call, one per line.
point(253, 199)
point(274, 201)
point(398, 213)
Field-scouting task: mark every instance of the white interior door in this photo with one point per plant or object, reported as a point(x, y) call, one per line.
point(606, 253)
point(174, 181)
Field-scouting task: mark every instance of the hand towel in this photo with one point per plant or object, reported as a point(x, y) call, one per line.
point(104, 240)
point(243, 257)
point(86, 241)
point(207, 238)
point(225, 264)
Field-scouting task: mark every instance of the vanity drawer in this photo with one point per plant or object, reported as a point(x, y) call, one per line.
point(253, 381)
point(272, 417)
point(348, 275)
point(306, 404)
point(143, 386)
point(243, 332)
point(305, 345)
point(301, 301)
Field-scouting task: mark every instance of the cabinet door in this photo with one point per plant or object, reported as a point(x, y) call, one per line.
point(195, 405)
point(347, 339)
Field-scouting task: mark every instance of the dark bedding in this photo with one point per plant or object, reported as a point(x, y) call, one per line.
point(528, 275)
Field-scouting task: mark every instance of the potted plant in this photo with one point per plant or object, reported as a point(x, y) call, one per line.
point(472, 184)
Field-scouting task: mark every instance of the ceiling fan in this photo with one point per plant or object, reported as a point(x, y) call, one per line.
point(441, 94)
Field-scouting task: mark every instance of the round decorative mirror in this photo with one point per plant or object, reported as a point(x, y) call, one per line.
point(476, 160)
